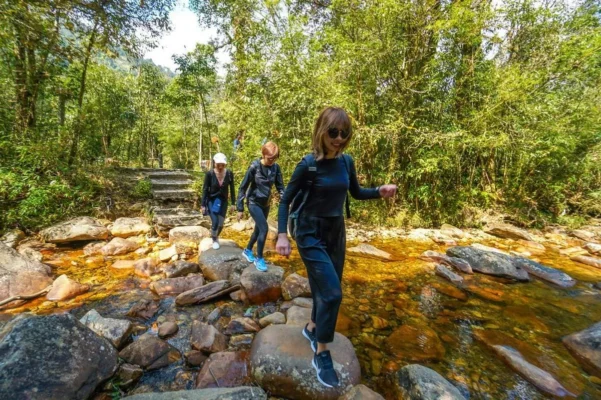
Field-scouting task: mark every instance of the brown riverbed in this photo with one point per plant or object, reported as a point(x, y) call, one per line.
point(440, 323)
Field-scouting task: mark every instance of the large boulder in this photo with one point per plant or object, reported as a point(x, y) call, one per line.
point(20, 275)
point(585, 347)
point(237, 393)
point(175, 286)
point(224, 369)
point(126, 227)
point(115, 330)
point(416, 382)
point(262, 287)
point(508, 231)
point(188, 235)
point(226, 263)
point(295, 286)
point(491, 263)
point(280, 363)
point(150, 352)
point(119, 246)
point(64, 288)
point(76, 229)
point(52, 357)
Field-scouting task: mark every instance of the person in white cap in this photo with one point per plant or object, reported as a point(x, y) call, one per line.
point(215, 195)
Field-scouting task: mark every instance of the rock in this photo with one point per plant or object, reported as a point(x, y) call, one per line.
point(119, 246)
point(195, 358)
point(573, 251)
point(584, 346)
point(480, 246)
point(242, 226)
point(490, 263)
point(367, 250)
point(583, 235)
point(12, 238)
point(262, 287)
point(76, 229)
point(592, 261)
point(20, 275)
point(126, 227)
point(64, 288)
point(272, 319)
point(415, 343)
point(93, 248)
point(200, 294)
point(207, 338)
point(280, 362)
point(168, 253)
point(304, 302)
point(379, 323)
point(180, 268)
point(548, 274)
point(146, 267)
point(507, 231)
point(241, 340)
point(416, 382)
point(123, 264)
point(30, 253)
point(242, 325)
point(272, 232)
point(295, 286)
point(361, 392)
point(142, 251)
point(536, 376)
point(128, 375)
point(443, 240)
point(238, 295)
point(593, 248)
point(150, 352)
point(452, 231)
point(455, 262)
point(144, 309)
point(52, 357)
point(175, 286)
point(226, 263)
point(450, 290)
point(298, 316)
point(237, 393)
point(420, 235)
point(116, 331)
point(188, 235)
point(167, 329)
point(532, 246)
point(206, 244)
point(449, 275)
point(225, 369)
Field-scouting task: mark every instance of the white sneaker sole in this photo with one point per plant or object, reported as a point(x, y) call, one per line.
point(247, 258)
point(317, 373)
point(310, 341)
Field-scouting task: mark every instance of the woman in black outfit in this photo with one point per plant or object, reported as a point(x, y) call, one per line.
point(320, 232)
point(214, 195)
point(256, 188)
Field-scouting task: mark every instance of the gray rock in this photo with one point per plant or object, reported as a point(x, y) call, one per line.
point(126, 227)
point(207, 338)
point(457, 263)
point(119, 246)
point(593, 248)
point(416, 382)
point(64, 288)
point(305, 302)
point(175, 286)
point(128, 375)
point(76, 229)
point(52, 357)
point(548, 274)
point(295, 286)
point(191, 235)
point(30, 253)
point(449, 275)
point(298, 316)
point(226, 263)
point(201, 294)
point(507, 231)
point(167, 329)
point(180, 268)
point(262, 287)
point(367, 250)
point(115, 330)
point(94, 248)
point(272, 319)
point(12, 238)
point(150, 352)
point(237, 393)
point(361, 392)
point(20, 275)
point(146, 267)
point(584, 346)
point(592, 261)
point(490, 263)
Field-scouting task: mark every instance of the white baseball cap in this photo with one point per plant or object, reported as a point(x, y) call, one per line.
point(220, 158)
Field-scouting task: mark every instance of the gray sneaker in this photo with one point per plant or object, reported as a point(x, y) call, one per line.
point(310, 335)
point(326, 374)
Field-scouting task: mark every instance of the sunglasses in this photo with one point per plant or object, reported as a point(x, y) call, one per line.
point(334, 132)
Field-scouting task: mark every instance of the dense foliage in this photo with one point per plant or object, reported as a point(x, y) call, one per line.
point(469, 106)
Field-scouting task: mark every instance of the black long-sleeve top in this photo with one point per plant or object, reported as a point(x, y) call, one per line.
point(211, 188)
point(260, 178)
point(328, 192)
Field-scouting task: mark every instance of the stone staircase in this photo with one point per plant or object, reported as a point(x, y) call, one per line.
point(171, 185)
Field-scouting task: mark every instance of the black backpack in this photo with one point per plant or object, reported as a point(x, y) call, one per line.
point(297, 204)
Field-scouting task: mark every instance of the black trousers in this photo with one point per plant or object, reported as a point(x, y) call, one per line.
point(321, 242)
point(259, 215)
point(217, 218)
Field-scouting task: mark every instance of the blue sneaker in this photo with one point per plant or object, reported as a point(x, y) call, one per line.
point(260, 264)
point(310, 335)
point(248, 254)
point(324, 367)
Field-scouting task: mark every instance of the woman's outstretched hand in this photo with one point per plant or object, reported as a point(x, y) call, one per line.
point(387, 190)
point(283, 245)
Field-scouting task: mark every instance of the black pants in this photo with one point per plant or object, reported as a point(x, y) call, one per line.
point(259, 214)
point(217, 218)
point(321, 243)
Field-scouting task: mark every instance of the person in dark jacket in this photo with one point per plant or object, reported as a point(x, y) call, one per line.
point(320, 231)
point(215, 196)
point(256, 189)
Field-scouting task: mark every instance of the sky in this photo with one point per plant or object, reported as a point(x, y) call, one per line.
point(185, 33)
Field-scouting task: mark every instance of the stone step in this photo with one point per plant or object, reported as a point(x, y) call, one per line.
point(167, 218)
point(173, 194)
point(170, 184)
point(169, 175)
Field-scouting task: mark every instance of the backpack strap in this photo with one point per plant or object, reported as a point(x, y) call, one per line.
point(347, 202)
point(311, 174)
